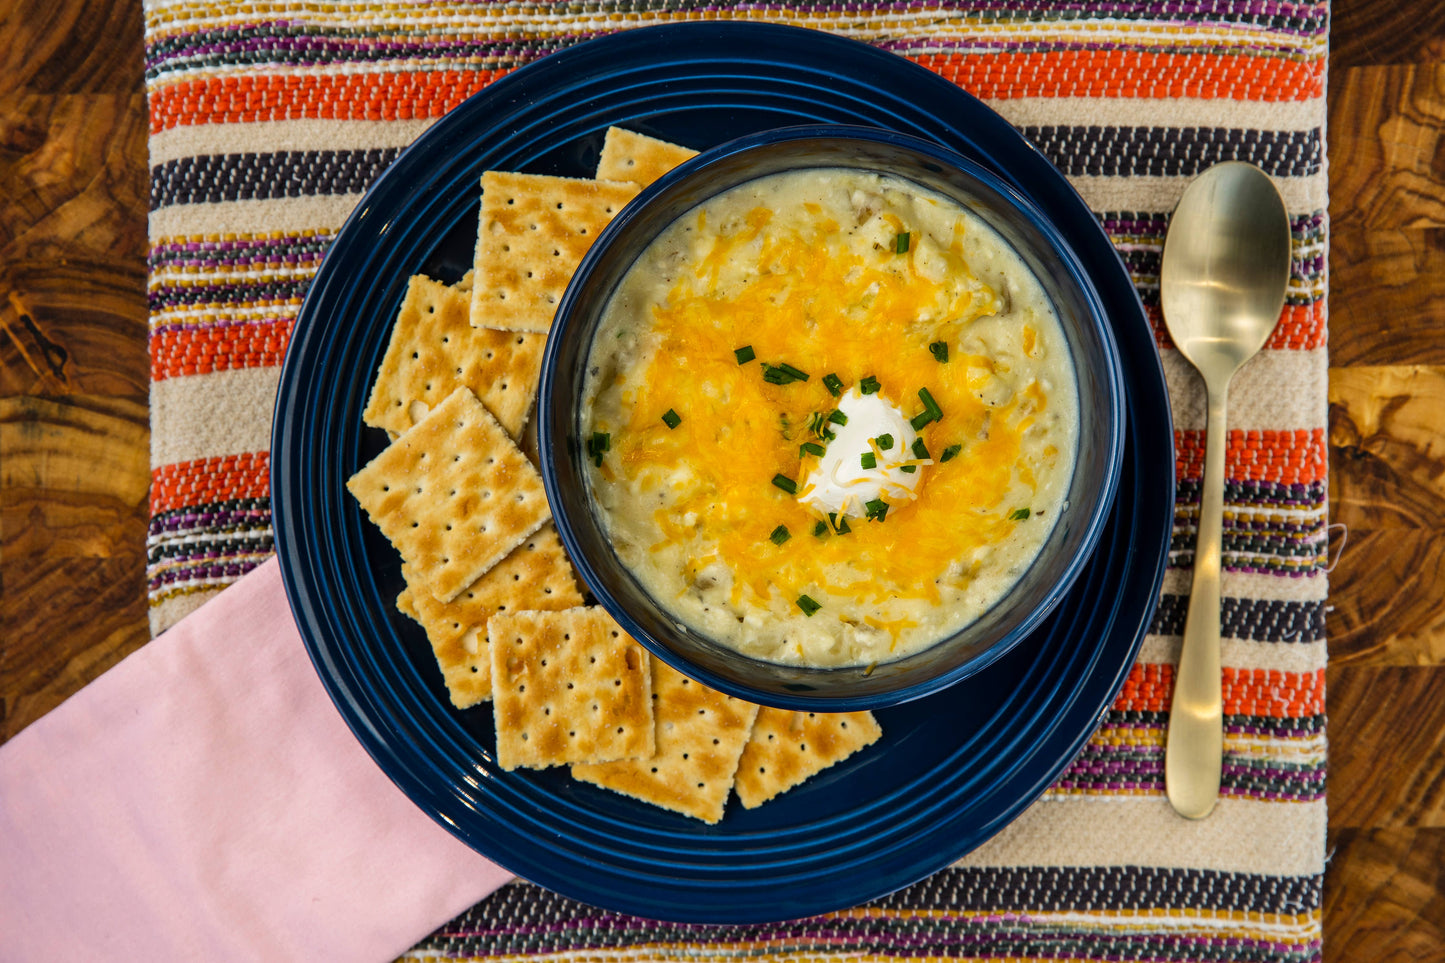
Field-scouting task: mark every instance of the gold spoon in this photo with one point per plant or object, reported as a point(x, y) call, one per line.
point(1222, 285)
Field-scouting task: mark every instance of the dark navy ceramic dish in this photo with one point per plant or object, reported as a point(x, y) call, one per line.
point(951, 769)
point(1090, 341)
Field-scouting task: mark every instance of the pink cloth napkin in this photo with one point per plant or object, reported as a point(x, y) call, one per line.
point(204, 800)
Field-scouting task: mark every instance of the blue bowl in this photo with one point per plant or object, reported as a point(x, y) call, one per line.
point(1086, 330)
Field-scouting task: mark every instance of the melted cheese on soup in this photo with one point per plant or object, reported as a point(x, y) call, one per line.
point(713, 397)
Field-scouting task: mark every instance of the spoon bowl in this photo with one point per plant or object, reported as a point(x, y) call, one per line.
point(1225, 271)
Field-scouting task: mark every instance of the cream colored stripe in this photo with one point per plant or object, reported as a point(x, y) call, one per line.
point(502, 20)
point(1302, 195)
point(1293, 115)
point(211, 415)
point(1281, 656)
point(172, 608)
point(1251, 585)
point(288, 215)
point(1240, 836)
point(270, 136)
point(1275, 389)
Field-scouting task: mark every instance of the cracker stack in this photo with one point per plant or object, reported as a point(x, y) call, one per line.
point(434, 350)
point(535, 576)
point(700, 737)
point(485, 573)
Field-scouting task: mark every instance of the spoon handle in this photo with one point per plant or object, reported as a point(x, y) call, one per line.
point(1194, 752)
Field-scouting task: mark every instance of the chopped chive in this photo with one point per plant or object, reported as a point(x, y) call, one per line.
point(840, 523)
point(671, 418)
point(744, 354)
point(939, 350)
point(869, 385)
point(810, 448)
point(920, 450)
point(1018, 515)
point(780, 535)
point(797, 373)
point(783, 374)
point(900, 243)
point(820, 529)
point(808, 606)
point(877, 510)
point(786, 484)
point(950, 452)
point(837, 417)
point(885, 442)
point(834, 384)
point(930, 404)
point(868, 460)
point(920, 419)
point(908, 469)
point(599, 443)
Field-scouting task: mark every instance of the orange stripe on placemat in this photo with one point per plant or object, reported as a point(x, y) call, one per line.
point(1295, 457)
point(1130, 73)
point(389, 96)
point(1000, 75)
point(1301, 327)
point(1247, 692)
point(210, 480)
point(191, 351)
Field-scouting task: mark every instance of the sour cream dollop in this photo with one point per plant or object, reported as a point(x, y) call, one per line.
point(840, 484)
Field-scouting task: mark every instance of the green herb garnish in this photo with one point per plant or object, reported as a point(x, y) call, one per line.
point(950, 452)
point(877, 510)
point(885, 442)
point(908, 469)
point(782, 374)
point(786, 484)
point(837, 417)
point(939, 349)
point(1018, 515)
point(920, 450)
point(869, 385)
point(868, 460)
point(930, 412)
point(810, 448)
point(839, 526)
point(900, 243)
point(834, 384)
point(818, 425)
point(820, 529)
point(671, 418)
point(808, 606)
point(744, 354)
point(780, 535)
point(597, 445)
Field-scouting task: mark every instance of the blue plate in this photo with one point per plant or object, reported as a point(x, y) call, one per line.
point(951, 769)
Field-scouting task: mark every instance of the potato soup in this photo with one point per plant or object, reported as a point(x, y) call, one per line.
point(831, 418)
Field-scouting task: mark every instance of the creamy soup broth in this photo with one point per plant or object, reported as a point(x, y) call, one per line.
point(894, 303)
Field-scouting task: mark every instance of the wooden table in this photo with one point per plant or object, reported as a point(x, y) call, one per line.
point(74, 462)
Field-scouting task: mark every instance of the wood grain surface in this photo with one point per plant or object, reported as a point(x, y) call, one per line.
point(74, 444)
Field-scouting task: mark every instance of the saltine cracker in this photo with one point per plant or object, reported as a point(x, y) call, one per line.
point(568, 686)
point(532, 233)
point(454, 495)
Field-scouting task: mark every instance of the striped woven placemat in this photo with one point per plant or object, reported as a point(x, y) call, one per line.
point(268, 120)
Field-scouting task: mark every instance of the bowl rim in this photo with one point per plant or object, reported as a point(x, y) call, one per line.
point(1111, 379)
